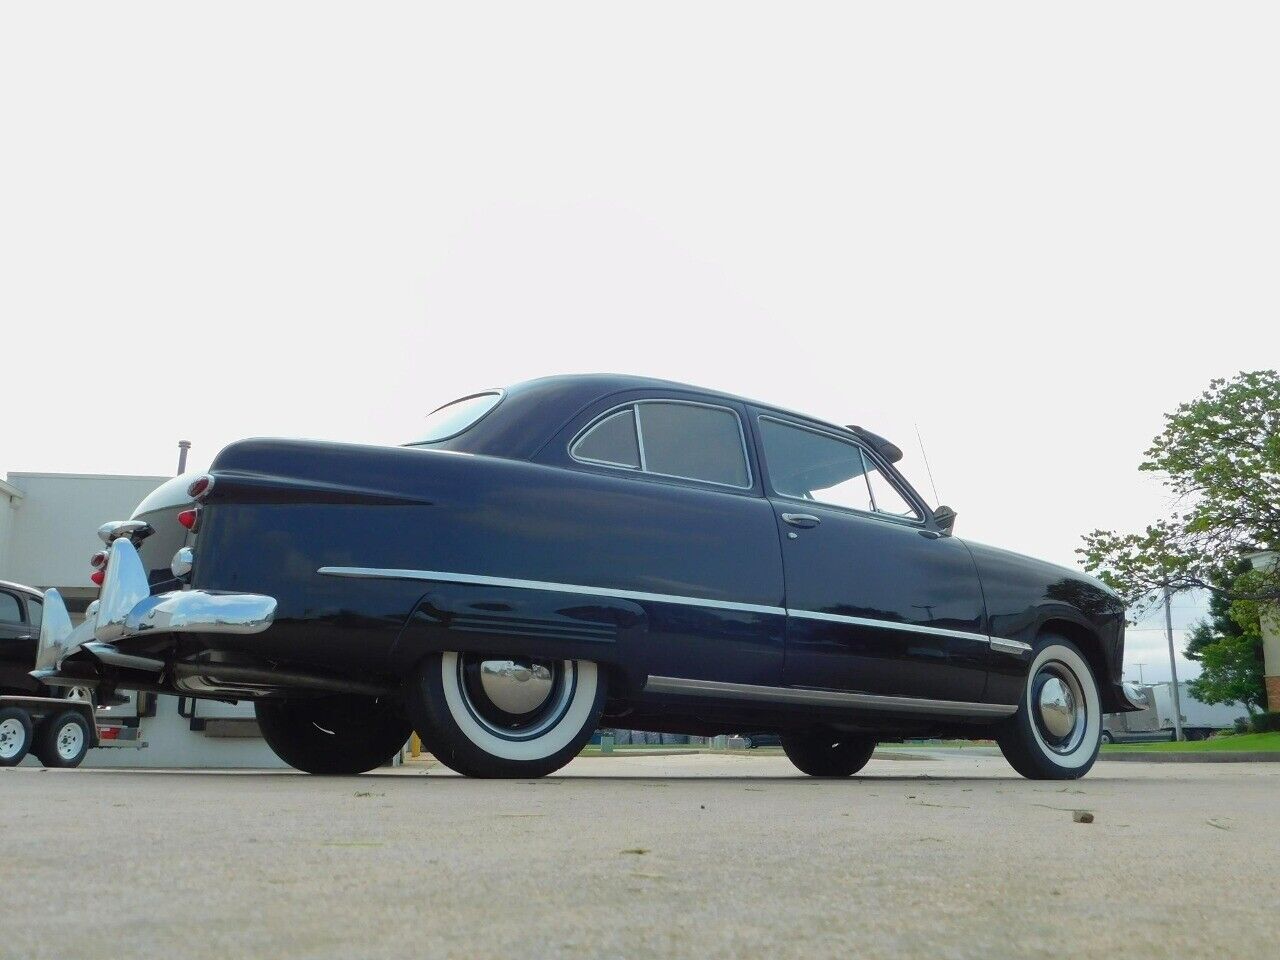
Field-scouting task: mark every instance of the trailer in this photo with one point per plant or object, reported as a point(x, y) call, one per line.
point(58, 732)
point(1200, 720)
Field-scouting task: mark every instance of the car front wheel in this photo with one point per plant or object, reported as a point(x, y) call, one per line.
point(828, 755)
point(497, 716)
point(334, 735)
point(1057, 730)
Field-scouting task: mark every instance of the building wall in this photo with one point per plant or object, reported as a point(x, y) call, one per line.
point(53, 528)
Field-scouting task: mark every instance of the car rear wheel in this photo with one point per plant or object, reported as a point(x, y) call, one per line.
point(334, 735)
point(1056, 733)
point(828, 755)
point(497, 716)
point(63, 740)
point(1107, 737)
point(15, 736)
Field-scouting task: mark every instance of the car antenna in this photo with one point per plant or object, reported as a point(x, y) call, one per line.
point(928, 469)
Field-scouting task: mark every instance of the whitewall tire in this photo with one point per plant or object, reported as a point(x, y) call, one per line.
point(1056, 733)
point(499, 716)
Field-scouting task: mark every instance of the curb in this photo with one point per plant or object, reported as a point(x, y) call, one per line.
point(1221, 756)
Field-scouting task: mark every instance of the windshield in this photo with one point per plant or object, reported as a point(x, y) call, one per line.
point(457, 417)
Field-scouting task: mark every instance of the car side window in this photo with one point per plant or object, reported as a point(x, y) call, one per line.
point(885, 497)
point(811, 465)
point(35, 611)
point(669, 438)
point(612, 441)
point(693, 441)
point(10, 610)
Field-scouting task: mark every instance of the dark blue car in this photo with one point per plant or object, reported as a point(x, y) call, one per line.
point(592, 550)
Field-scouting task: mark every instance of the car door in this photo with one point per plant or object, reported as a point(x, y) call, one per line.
point(877, 601)
point(670, 507)
point(17, 641)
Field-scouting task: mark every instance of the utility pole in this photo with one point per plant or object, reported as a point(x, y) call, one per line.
point(183, 447)
point(1141, 682)
point(1173, 662)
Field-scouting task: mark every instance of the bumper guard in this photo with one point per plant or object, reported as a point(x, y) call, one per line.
point(126, 608)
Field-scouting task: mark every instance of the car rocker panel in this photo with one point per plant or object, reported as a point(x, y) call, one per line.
point(585, 550)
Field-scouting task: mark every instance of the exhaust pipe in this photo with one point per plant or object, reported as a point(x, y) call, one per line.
point(216, 677)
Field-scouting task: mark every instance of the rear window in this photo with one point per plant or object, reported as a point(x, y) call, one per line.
point(457, 417)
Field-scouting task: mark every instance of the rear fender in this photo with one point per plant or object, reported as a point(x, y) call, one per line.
point(543, 624)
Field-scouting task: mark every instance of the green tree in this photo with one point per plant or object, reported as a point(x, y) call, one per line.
point(1219, 455)
point(1228, 646)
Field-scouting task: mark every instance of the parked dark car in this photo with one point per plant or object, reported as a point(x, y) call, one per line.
point(21, 610)
point(587, 550)
point(32, 720)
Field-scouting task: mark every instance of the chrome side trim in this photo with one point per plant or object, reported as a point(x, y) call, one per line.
point(684, 686)
point(1005, 645)
point(444, 576)
point(888, 625)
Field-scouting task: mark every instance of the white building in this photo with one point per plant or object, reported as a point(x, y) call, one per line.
point(49, 524)
point(48, 532)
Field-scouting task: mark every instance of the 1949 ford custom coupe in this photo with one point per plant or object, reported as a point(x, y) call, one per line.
point(581, 550)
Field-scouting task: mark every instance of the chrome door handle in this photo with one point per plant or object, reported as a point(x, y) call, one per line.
point(801, 519)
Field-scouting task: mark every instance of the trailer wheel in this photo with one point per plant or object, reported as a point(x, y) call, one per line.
point(63, 739)
point(15, 735)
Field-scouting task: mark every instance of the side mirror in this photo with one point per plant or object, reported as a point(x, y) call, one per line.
point(945, 518)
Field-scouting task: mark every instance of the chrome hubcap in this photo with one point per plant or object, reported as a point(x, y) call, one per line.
point(516, 687)
point(1059, 707)
point(517, 698)
point(12, 737)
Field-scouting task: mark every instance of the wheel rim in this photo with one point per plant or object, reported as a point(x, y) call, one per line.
point(70, 741)
point(80, 693)
point(13, 737)
point(1059, 707)
point(516, 698)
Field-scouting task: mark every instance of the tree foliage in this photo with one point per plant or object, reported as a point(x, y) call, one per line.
point(1228, 645)
point(1219, 455)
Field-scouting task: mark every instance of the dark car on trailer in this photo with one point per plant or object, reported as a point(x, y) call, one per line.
point(33, 720)
point(586, 550)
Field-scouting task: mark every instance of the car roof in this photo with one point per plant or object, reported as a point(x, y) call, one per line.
point(532, 410)
point(21, 588)
point(593, 386)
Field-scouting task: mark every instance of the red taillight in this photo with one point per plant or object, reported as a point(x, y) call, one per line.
point(190, 518)
point(97, 577)
point(98, 560)
point(200, 487)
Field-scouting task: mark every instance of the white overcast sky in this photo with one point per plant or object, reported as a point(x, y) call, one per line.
point(1025, 229)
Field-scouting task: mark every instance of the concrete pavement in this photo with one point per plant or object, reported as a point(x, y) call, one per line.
point(682, 856)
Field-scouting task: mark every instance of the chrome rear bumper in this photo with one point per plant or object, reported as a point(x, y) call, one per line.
point(126, 608)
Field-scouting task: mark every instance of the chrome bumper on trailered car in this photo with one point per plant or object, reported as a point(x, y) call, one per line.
point(126, 608)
